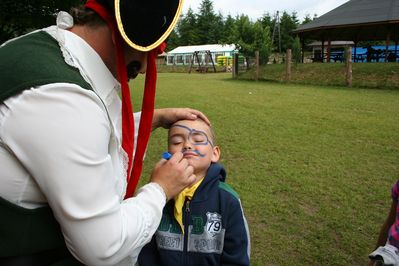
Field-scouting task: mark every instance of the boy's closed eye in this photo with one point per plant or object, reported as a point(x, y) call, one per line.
point(176, 140)
point(198, 137)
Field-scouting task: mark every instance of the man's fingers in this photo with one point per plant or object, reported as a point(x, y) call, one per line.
point(179, 160)
point(191, 180)
point(194, 114)
point(189, 170)
point(173, 175)
point(176, 157)
point(202, 116)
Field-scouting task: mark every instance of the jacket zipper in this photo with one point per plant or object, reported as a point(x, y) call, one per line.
point(186, 223)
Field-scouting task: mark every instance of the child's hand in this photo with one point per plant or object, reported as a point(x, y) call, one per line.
point(173, 175)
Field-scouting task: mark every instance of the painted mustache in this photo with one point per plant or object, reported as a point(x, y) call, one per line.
point(133, 69)
point(193, 151)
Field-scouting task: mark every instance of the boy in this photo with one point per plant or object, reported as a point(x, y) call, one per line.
point(204, 224)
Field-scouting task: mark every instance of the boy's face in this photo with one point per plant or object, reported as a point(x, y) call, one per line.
point(194, 139)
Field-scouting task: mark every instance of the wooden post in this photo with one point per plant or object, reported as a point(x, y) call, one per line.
point(257, 65)
point(329, 50)
point(387, 47)
point(354, 51)
point(213, 64)
point(348, 52)
point(288, 60)
point(191, 63)
point(235, 66)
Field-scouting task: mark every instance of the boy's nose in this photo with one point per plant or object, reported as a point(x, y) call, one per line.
point(187, 145)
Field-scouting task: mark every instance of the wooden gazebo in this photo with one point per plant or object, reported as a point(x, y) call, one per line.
point(356, 20)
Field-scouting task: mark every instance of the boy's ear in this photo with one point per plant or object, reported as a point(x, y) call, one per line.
point(215, 154)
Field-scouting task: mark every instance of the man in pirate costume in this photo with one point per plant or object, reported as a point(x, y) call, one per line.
point(71, 150)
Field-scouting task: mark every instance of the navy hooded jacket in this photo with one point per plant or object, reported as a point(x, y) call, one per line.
point(215, 226)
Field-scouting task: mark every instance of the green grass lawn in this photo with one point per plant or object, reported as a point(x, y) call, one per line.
point(313, 165)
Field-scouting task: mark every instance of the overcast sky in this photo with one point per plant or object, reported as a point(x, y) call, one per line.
point(256, 8)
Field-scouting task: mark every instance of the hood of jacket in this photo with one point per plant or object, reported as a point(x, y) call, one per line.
point(216, 173)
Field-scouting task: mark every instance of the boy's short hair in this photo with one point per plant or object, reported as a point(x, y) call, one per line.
point(212, 131)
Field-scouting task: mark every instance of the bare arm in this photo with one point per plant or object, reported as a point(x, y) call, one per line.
point(382, 238)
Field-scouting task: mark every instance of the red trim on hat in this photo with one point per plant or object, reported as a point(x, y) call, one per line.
point(147, 111)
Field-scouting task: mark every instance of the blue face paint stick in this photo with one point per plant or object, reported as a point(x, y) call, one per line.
point(166, 155)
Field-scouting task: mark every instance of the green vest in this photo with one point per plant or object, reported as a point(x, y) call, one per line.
point(30, 61)
point(34, 60)
point(32, 231)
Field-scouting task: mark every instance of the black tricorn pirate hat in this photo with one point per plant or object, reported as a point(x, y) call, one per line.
point(144, 24)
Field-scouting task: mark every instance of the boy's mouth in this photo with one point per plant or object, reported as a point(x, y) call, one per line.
point(191, 153)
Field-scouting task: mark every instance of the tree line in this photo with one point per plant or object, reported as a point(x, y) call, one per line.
point(22, 16)
point(204, 27)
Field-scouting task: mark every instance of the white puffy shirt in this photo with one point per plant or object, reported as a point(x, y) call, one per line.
point(60, 145)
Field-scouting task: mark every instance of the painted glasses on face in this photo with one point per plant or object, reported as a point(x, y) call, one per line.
point(195, 137)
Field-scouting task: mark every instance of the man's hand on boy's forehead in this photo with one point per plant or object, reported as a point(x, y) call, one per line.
point(188, 114)
point(166, 117)
point(200, 115)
